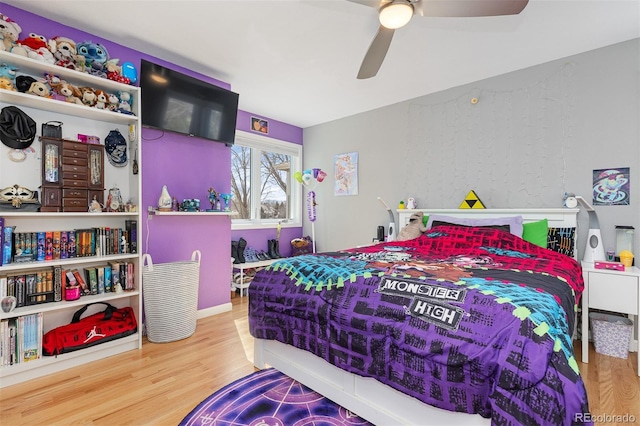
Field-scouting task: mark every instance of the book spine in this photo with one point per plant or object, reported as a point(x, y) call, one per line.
point(7, 245)
point(57, 283)
point(48, 245)
point(107, 279)
point(64, 244)
point(40, 246)
point(1, 241)
point(72, 244)
point(81, 282)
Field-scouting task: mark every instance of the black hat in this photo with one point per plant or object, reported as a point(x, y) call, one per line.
point(17, 129)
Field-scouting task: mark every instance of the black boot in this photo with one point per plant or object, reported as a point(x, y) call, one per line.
point(272, 249)
point(234, 251)
point(242, 243)
point(276, 249)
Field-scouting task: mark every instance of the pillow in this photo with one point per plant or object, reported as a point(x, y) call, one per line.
point(536, 232)
point(513, 222)
point(562, 240)
point(425, 219)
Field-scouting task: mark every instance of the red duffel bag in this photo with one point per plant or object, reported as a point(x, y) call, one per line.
point(113, 323)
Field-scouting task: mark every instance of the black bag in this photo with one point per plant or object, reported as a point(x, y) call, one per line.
point(52, 130)
point(110, 324)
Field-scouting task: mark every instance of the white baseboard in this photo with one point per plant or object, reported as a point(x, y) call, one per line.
point(214, 310)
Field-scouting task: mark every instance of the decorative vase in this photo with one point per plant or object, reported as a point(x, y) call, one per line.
point(165, 201)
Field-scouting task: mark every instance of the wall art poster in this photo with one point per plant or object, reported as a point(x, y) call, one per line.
point(260, 125)
point(346, 174)
point(611, 187)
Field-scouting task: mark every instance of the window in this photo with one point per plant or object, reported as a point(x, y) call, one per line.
point(264, 189)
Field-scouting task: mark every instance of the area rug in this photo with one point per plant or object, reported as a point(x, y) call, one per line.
point(269, 398)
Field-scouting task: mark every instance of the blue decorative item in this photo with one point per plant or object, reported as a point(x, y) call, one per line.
point(226, 198)
point(129, 71)
point(213, 199)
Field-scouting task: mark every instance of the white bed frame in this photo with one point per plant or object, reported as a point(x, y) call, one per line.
point(370, 399)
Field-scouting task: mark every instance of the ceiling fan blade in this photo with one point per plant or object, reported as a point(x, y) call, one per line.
point(376, 4)
point(376, 53)
point(468, 8)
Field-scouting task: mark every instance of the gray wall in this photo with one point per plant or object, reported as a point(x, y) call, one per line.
point(533, 135)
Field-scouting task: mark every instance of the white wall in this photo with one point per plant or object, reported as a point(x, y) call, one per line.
point(532, 135)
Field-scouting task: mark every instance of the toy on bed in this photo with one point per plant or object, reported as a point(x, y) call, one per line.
point(414, 228)
point(9, 33)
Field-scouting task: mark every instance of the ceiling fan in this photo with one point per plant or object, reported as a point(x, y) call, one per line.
point(394, 14)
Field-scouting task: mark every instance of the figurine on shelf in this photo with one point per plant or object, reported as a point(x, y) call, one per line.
point(95, 206)
point(213, 199)
point(164, 202)
point(226, 198)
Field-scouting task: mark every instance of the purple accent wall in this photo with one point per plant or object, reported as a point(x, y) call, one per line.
point(188, 166)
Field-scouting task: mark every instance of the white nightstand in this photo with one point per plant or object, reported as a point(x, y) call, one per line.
point(616, 291)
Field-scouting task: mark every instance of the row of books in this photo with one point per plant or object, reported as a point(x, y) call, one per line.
point(44, 286)
point(52, 245)
point(20, 339)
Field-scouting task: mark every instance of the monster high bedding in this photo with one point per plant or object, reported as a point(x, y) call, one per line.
point(466, 319)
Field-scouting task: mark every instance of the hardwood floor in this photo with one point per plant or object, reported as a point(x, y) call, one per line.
point(161, 383)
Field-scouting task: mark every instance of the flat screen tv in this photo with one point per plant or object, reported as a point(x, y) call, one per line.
point(178, 103)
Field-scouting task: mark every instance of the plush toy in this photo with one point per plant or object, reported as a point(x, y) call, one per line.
point(112, 102)
point(411, 203)
point(35, 46)
point(88, 96)
point(9, 33)
point(66, 90)
point(7, 84)
point(414, 228)
point(8, 72)
point(125, 101)
point(65, 52)
point(39, 88)
point(71, 93)
point(101, 99)
point(95, 55)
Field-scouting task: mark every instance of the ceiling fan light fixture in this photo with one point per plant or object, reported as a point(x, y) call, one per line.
point(396, 15)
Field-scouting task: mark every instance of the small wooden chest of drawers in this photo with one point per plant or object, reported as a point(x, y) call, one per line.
point(72, 175)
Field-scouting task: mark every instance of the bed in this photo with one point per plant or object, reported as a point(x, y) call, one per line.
point(466, 319)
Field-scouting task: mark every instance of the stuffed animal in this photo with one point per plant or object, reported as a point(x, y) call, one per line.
point(125, 101)
point(67, 91)
point(65, 52)
point(88, 96)
point(101, 99)
point(35, 46)
point(39, 88)
point(7, 84)
point(71, 93)
point(112, 102)
point(414, 228)
point(94, 57)
point(8, 72)
point(9, 33)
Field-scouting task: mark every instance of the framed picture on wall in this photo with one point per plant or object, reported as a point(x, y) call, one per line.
point(346, 174)
point(260, 125)
point(611, 187)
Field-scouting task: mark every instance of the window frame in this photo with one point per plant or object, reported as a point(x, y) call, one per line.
point(258, 143)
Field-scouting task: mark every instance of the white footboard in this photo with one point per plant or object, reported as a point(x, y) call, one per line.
point(368, 398)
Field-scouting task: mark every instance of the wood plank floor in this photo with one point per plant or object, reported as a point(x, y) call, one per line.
point(161, 383)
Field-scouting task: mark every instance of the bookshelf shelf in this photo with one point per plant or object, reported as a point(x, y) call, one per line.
point(184, 213)
point(76, 119)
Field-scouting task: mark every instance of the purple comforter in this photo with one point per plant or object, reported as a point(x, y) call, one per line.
point(466, 319)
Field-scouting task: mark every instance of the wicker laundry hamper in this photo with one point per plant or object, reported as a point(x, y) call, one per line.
point(170, 294)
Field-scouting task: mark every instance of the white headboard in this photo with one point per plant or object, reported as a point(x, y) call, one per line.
point(557, 217)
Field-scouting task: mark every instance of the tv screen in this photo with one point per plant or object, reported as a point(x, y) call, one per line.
point(179, 103)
